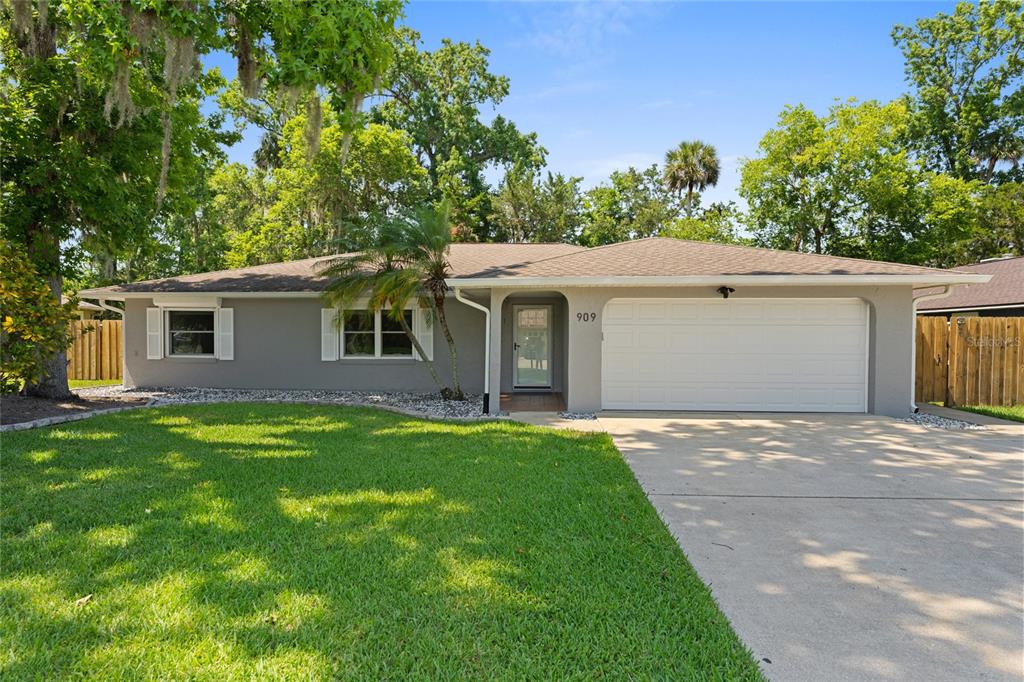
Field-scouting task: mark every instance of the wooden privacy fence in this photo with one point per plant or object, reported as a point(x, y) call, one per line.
point(96, 354)
point(970, 360)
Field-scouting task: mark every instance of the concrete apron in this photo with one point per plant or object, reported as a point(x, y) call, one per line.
point(846, 547)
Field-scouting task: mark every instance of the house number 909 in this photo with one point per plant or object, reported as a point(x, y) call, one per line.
point(586, 317)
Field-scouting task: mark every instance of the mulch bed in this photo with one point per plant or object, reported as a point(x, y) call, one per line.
point(15, 409)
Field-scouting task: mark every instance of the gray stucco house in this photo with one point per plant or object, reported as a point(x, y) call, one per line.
point(653, 324)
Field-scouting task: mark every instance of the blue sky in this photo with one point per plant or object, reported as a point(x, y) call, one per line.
point(610, 84)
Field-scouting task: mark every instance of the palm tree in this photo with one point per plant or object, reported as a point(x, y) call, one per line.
point(422, 244)
point(408, 262)
point(693, 166)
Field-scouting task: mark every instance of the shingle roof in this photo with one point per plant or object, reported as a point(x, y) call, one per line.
point(654, 257)
point(466, 260)
point(1005, 288)
point(665, 257)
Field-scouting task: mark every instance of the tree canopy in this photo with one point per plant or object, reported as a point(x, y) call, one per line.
point(115, 131)
point(97, 96)
point(437, 98)
point(967, 74)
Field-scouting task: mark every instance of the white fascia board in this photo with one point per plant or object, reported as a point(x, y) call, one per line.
point(169, 295)
point(186, 301)
point(535, 282)
point(721, 280)
point(969, 308)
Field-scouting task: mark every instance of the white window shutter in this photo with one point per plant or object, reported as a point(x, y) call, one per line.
point(226, 334)
point(154, 334)
point(329, 342)
point(423, 328)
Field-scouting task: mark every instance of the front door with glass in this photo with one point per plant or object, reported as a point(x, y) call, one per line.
point(532, 346)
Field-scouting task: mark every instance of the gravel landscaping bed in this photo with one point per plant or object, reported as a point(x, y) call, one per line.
point(419, 403)
point(578, 415)
point(932, 421)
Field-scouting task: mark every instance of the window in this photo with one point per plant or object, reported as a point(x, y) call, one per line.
point(190, 332)
point(366, 334)
point(359, 338)
point(393, 339)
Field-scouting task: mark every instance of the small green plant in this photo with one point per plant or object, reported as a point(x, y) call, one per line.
point(34, 323)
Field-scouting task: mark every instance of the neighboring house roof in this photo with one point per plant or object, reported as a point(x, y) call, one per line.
point(1005, 289)
point(657, 258)
point(83, 305)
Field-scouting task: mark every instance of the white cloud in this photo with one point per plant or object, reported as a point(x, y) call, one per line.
point(574, 87)
point(578, 31)
point(579, 28)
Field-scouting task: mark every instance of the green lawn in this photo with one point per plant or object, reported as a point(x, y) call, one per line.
point(240, 541)
point(1014, 413)
point(88, 383)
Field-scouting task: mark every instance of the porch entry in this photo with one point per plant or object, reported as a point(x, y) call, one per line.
point(531, 346)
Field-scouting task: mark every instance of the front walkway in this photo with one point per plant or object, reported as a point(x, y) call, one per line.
point(847, 547)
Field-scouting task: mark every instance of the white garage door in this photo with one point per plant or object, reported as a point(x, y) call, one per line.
point(785, 355)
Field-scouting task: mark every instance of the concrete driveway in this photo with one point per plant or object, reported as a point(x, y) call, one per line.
point(847, 547)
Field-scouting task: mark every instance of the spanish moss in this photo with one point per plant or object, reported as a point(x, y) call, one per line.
point(119, 96)
point(143, 26)
point(314, 121)
point(179, 63)
point(248, 74)
point(21, 17)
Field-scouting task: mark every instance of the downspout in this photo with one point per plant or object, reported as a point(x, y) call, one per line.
point(102, 302)
point(947, 289)
point(487, 345)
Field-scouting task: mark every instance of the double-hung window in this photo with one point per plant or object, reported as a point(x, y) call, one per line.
point(190, 332)
point(366, 334)
point(393, 339)
point(360, 335)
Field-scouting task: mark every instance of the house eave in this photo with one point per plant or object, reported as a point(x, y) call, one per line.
point(721, 280)
point(970, 308)
point(547, 282)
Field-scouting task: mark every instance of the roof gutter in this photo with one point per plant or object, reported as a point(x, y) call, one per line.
point(946, 291)
point(102, 303)
point(926, 280)
point(513, 282)
point(487, 345)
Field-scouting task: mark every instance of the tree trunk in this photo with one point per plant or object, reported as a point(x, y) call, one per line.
point(441, 388)
point(442, 319)
point(688, 209)
point(54, 384)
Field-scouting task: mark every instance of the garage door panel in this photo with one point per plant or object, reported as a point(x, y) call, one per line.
point(618, 310)
point(619, 339)
point(776, 355)
point(652, 338)
point(848, 369)
point(747, 311)
point(849, 399)
point(683, 340)
point(813, 399)
point(713, 311)
point(682, 311)
point(651, 311)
